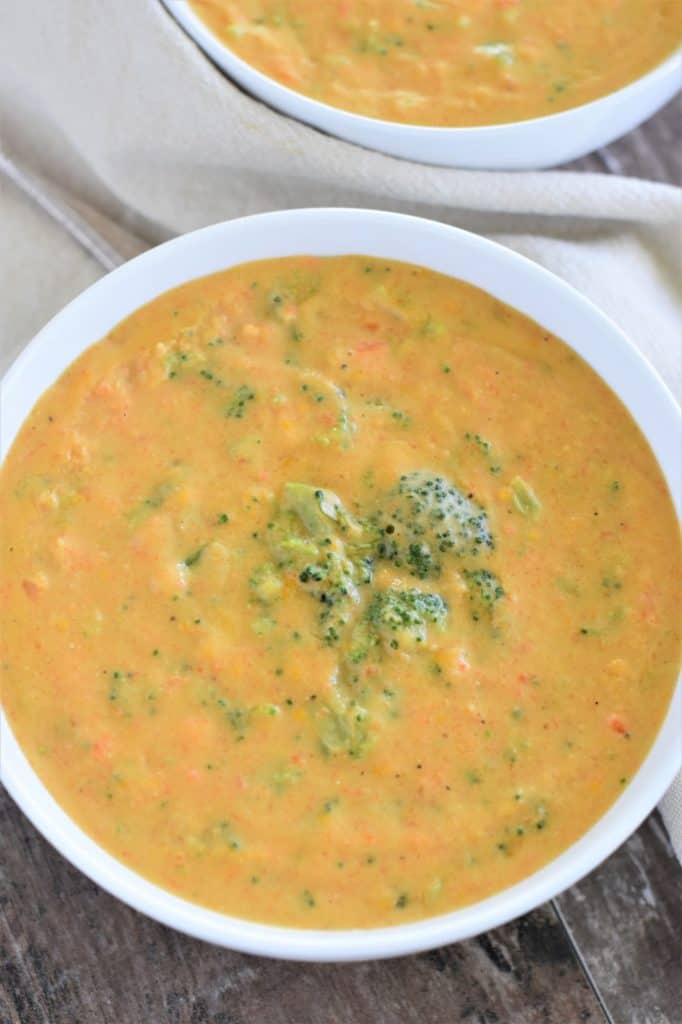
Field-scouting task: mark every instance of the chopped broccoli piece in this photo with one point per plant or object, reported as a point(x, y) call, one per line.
point(283, 777)
point(195, 557)
point(428, 519)
point(365, 569)
point(314, 536)
point(485, 446)
point(525, 499)
point(266, 584)
point(332, 582)
point(304, 503)
point(238, 715)
point(317, 510)
point(240, 400)
point(343, 731)
point(342, 722)
point(320, 389)
point(397, 618)
point(394, 609)
point(225, 831)
point(485, 590)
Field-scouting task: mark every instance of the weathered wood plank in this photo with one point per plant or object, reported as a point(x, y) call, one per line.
point(626, 918)
point(652, 152)
point(71, 953)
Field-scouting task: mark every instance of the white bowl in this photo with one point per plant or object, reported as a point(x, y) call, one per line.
point(521, 145)
point(513, 280)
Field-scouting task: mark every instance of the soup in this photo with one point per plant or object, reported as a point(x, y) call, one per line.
point(449, 62)
point(337, 593)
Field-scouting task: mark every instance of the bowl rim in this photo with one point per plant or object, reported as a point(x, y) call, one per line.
point(236, 66)
point(547, 299)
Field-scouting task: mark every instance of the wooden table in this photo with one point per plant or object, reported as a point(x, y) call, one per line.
point(609, 949)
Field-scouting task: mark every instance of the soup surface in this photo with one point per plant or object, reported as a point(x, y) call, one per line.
point(449, 62)
point(336, 593)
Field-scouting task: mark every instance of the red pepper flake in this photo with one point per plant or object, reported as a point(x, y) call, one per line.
point(31, 589)
point(618, 725)
point(370, 346)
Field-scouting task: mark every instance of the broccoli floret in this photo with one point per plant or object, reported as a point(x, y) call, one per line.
point(266, 584)
point(397, 618)
point(314, 513)
point(343, 731)
point(427, 519)
point(314, 537)
point(396, 609)
point(485, 590)
point(332, 582)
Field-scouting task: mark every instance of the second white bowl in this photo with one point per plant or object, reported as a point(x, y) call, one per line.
point(523, 145)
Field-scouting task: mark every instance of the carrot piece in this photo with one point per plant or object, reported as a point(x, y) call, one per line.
point(370, 346)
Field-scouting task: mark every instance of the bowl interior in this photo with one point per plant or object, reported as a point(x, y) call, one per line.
point(513, 280)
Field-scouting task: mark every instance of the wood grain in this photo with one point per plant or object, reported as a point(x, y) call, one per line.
point(71, 954)
point(652, 152)
point(626, 918)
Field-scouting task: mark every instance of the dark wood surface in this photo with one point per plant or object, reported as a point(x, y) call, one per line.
point(607, 950)
point(652, 152)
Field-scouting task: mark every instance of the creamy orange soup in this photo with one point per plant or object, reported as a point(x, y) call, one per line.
point(336, 593)
point(449, 62)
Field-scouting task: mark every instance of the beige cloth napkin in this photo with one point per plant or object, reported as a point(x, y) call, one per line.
point(110, 99)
